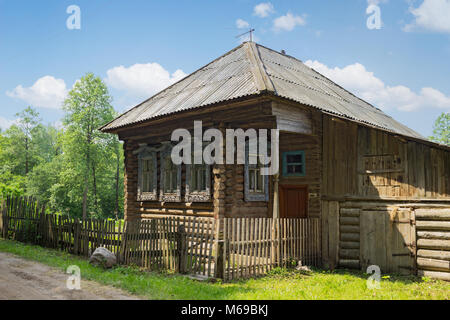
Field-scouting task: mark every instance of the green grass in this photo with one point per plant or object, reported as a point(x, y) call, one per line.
point(280, 284)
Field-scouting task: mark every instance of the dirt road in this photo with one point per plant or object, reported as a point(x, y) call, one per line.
point(24, 279)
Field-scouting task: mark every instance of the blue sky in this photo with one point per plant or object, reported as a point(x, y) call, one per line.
point(139, 47)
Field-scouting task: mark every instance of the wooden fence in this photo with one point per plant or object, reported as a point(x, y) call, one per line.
point(23, 219)
point(253, 246)
point(181, 244)
point(229, 248)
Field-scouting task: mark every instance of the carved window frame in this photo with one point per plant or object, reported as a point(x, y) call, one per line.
point(195, 195)
point(163, 195)
point(251, 196)
point(146, 153)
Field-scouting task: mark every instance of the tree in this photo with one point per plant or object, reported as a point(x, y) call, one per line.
point(27, 122)
point(441, 129)
point(88, 107)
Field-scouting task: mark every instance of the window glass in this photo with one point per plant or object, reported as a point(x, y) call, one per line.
point(294, 163)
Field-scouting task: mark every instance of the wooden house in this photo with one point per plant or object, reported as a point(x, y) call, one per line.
point(365, 175)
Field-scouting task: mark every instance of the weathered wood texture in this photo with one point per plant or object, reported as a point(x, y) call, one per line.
point(25, 220)
point(399, 237)
point(349, 245)
point(377, 233)
point(228, 248)
point(253, 246)
point(330, 234)
point(370, 163)
point(433, 242)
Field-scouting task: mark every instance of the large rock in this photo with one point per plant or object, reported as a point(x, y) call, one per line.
point(103, 257)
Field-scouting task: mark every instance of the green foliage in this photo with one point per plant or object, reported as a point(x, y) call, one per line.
point(69, 166)
point(441, 131)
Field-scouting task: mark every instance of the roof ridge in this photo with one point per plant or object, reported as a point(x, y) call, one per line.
point(262, 79)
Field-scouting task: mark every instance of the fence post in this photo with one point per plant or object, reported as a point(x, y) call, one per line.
point(5, 220)
point(220, 254)
point(181, 245)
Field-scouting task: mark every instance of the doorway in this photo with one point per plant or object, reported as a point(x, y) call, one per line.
point(293, 201)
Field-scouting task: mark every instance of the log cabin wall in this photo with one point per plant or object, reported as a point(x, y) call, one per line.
point(227, 181)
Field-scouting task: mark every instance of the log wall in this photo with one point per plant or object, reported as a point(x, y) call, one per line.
point(227, 181)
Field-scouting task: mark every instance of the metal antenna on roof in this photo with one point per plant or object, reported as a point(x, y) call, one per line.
point(251, 34)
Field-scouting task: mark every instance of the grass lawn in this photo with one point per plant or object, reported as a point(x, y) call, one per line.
point(280, 284)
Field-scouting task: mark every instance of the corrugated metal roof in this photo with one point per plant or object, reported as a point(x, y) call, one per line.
point(251, 69)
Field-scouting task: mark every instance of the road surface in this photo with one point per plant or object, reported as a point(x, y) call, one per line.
point(22, 279)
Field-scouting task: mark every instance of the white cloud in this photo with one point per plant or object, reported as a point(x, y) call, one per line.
point(288, 22)
point(5, 123)
point(357, 79)
point(242, 24)
point(143, 79)
point(263, 9)
point(431, 15)
point(46, 92)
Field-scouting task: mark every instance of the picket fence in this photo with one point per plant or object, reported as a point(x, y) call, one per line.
point(227, 248)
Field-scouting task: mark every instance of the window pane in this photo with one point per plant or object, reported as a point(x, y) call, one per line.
point(166, 180)
point(194, 178)
point(259, 181)
point(150, 182)
point(144, 183)
point(202, 180)
point(251, 179)
point(174, 181)
point(294, 158)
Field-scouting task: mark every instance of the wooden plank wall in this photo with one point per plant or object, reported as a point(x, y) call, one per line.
point(311, 146)
point(370, 163)
point(339, 157)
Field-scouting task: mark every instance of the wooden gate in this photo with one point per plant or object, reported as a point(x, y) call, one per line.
point(388, 240)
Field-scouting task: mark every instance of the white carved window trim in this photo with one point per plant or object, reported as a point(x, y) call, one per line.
point(250, 195)
point(198, 195)
point(163, 195)
point(145, 153)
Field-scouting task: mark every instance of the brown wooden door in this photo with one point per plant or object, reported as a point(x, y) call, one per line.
point(293, 201)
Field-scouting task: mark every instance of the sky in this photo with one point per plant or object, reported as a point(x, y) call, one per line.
point(391, 53)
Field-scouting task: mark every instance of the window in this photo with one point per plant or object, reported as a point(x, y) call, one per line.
point(147, 174)
point(198, 182)
point(170, 178)
point(256, 185)
point(294, 164)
